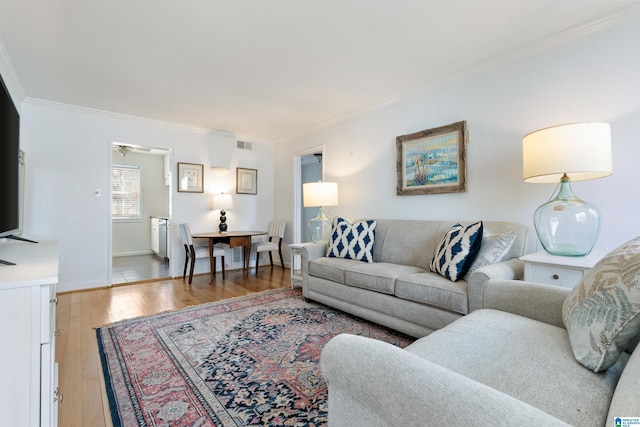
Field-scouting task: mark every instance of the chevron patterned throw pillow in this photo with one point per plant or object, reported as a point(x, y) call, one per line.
point(352, 241)
point(457, 250)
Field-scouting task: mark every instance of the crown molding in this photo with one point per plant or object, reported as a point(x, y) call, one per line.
point(121, 116)
point(558, 39)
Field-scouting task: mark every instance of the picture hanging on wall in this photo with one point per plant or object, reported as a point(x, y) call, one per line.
point(432, 161)
point(190, 177)
point(246, 181)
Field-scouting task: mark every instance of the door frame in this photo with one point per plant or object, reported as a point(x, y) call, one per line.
point(170, 153)
point(297, 186)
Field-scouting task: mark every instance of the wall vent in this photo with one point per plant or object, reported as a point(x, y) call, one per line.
point(236, 255)
point(244, 145)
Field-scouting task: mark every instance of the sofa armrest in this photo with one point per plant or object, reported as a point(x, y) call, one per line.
point(533, 300)
point(309, 252)
point(374, 383)
point(512, 269)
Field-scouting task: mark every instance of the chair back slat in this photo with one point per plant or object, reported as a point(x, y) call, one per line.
point(182, 235)
point(276, 229)
point(185, 233)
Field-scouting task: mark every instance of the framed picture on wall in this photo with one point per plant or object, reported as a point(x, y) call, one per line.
point(432, 161)
point(246, 181)
point(190, 177)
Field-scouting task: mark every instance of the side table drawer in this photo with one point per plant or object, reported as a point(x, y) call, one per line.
point(565, 277)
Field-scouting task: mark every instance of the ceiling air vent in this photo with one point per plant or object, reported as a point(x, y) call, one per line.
point(244, 145)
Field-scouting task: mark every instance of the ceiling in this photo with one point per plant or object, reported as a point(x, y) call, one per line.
point(268, 69)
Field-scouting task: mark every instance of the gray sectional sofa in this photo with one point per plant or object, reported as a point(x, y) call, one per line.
point(398, 290)
point(509, 364)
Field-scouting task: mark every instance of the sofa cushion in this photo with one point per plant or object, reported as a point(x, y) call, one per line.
point(352, 241)
point(331, 268)
point(433, 289)
point(602, 312)
point(526, 359)
point(457, 250)
point(492, 249)
point(379, 276)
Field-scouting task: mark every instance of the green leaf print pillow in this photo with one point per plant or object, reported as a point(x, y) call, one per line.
point(602, 313)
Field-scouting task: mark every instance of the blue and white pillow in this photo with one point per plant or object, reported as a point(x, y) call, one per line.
point(457, 250)
point(352, 241)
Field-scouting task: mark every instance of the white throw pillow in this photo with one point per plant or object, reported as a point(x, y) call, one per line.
point(494, 247)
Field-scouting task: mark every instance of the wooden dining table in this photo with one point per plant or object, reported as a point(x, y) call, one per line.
point(233, 239)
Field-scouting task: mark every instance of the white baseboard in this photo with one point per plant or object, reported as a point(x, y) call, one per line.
point(119, 254)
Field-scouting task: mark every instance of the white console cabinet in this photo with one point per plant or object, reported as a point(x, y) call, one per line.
point(28, 372)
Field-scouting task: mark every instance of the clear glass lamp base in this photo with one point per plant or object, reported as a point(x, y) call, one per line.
point(320, 227)
point(566, 225)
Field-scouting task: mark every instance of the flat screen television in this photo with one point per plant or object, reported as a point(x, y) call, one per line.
point(10, 168)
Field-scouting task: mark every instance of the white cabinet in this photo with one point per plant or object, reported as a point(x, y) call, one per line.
point(155, 235)
point(564, 271)
point(28, 380)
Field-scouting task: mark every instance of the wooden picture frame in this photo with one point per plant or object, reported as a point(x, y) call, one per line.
point(246, 181)
point(432, 161)
point(190, 178)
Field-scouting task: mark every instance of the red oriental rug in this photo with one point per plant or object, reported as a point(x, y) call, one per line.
point(247, 361)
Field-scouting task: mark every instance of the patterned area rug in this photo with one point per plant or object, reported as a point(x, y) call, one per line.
point(246, 361)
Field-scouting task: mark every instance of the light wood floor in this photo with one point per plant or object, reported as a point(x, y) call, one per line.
point(79, 313)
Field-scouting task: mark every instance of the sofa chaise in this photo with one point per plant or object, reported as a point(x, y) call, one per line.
point(533, 355)
point(398, 289)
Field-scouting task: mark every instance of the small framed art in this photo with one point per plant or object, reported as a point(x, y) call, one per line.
point(246, 181)
point(190, 177)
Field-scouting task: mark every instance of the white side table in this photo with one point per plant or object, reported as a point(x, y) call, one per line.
point(565, 271)
point(296, 264)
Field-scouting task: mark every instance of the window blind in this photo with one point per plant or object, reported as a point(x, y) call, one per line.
point(125, 191)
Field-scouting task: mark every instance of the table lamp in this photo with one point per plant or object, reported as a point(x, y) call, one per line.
point(320, 194)
point(567, 225)
point(222, 202)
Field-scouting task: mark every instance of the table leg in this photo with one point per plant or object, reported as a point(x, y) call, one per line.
point(247, 255)
point(211, 259)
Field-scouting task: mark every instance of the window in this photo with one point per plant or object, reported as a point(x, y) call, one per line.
point(125, 192)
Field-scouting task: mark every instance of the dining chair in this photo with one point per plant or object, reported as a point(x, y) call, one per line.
point(194, 252)
point(274, 242)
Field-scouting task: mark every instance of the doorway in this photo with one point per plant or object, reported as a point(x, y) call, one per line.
point(140, 213)
point(308, 167)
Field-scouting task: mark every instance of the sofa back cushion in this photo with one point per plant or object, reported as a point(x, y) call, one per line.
point(414, 242)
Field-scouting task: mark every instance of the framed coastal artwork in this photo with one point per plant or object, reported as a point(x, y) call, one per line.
point(432, 161)
point(190, 177)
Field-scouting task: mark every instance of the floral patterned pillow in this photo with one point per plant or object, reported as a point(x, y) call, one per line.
point(602, 313)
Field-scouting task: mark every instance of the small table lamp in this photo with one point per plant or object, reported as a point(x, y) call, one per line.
point(222, 202)
point(567, 225)
point(320, 194)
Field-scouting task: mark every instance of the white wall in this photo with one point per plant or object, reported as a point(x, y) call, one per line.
point(68, 152)
point(591, 79)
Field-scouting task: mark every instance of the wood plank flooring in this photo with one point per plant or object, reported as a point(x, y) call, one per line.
point(79, 313)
